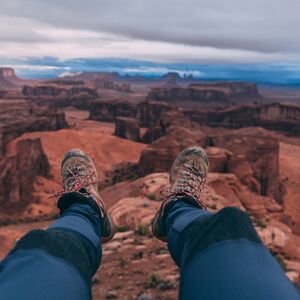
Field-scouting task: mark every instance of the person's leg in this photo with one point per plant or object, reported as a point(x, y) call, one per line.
point(221, 256)
point(58, 263)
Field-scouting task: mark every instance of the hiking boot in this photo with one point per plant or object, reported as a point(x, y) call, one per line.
point(79, 174)
point(187, 179)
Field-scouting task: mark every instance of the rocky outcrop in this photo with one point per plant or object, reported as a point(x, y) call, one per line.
point(10, 94)
point(178, 94)
point(3, 93)
point(19, 116)
point(205, 92)
point(159, 156)
point(8, 78)
point(103, 83)
point(274, 116)
point(171, 79)
point(109, 110)
point(127, 128)
point(60, 94)
point(254, 159)
point(168, 118)
point(102, 80)
point(17, 173)
point(149, 112)
point(177, 117)
point(229, 88)
point(152, 134)
point(53, 90)
point(218, 159)
point(252, 154)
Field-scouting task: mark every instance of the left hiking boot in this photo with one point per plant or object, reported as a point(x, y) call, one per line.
point(79, 174)
point(187, 179)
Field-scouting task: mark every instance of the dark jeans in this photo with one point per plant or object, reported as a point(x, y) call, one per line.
point(220, 257)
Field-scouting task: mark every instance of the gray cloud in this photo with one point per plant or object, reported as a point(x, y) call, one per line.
point(268, 26)
point(20, 30)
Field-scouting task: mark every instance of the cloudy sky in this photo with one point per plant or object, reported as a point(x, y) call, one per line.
point(190, 31)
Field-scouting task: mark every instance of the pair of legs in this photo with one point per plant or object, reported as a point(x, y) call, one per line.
point(220, 255)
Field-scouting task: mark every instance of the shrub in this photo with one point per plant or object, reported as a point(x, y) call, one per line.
point(152, 197)
point(155, 282)
point(123, 228)
point(142, 230)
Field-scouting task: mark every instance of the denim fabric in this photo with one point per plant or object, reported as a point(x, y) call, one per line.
point(57, 263)
point(221, 257)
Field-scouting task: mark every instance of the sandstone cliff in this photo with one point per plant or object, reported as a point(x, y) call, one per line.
point(19, 116)
point(205, 92)
point(18, 171)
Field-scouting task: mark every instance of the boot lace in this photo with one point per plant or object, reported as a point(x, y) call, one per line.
point(190, 181)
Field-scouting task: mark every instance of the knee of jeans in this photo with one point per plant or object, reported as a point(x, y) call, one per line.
point(234, 214)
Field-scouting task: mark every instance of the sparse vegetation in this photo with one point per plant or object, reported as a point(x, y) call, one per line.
point(123, 228)
point(152, 197)
point(212, 206)
point(259, 223)
point(142, 230)
point(214, 198)
point(138, 255)
point(161, 250)
point(137, 241)
point(156, 282)
point(117, 286)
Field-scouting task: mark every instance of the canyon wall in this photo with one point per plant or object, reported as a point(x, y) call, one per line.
point(20, 116)
point(18, 171)
point(205, 92)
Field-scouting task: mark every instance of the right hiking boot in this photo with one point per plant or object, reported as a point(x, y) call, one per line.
point(79, 174)
point(187, 179)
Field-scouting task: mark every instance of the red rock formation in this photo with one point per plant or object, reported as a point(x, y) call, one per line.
point(176, 116)
point(19, 116)
point(219, 159)
point(250, 153)
point(275, 116)
point(159, 156)
point(229, 88)
point(111, 85)
point(17, 173)
point(127, 128)
point(171, 79)
point(205, 92)
point(179, 94)
point(108, 110)
point(10, 94)
point(149, 112)
point(54, 90)
point(2, 93)
point(92, 76)
point(101, 80)
point(152, 134)
point(8, 78)
point(255, 159)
